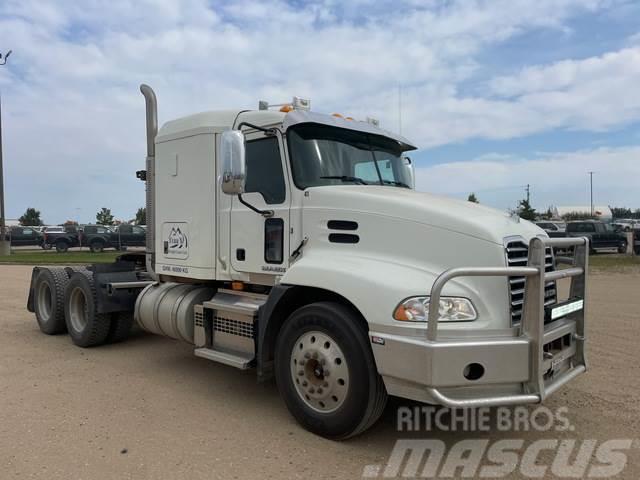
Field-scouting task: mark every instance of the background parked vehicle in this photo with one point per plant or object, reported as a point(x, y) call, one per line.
point(24, 236)
point(601, 235)
point(63, 238)
point(552, 229)
point(626, 224)
point(99, 238)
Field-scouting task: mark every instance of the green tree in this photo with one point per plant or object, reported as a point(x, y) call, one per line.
point(526, 211)
point(104, 217)
point(472, 198)
point(621, 212)
point(31, 218)
point(141, 216)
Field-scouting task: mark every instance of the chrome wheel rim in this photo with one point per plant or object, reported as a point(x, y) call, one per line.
point(78, 309)
point(319, 371)
point(45, 302)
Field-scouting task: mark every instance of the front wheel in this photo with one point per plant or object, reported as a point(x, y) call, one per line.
point(326, 373)
point(622, 248)
point(62, 247)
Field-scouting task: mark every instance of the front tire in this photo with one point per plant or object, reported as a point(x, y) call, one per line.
point(326, 373)
point(622, 248)
point(62, 247)
point(86, 327)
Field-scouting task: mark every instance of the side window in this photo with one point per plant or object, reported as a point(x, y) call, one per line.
point(366, 171)
point(138, 231)
point(264, 170)
point(27, 231)
point(273, 240)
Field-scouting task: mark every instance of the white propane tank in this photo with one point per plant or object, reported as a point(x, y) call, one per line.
point(167, 308)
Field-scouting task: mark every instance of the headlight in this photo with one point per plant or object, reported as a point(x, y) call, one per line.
point(416, 309)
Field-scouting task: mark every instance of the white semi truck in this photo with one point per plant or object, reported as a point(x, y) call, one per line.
point(293, 243)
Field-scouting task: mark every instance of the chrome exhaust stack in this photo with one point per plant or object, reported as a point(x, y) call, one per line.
point(150, 175)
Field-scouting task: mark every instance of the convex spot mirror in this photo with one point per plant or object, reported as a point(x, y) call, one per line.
point(234, 169)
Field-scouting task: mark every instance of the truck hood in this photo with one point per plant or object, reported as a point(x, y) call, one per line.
point(437, 211)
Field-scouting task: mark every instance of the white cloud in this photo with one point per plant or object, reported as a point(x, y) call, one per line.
point(72, 108)
point(555, 178)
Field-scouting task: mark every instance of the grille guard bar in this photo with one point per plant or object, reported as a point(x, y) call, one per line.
point(532, 324)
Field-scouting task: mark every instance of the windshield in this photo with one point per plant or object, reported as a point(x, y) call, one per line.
point(322, 155)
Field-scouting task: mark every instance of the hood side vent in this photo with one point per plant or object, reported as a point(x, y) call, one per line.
point(342, 225)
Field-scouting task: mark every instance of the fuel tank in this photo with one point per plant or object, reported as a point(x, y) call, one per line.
point(167, 308)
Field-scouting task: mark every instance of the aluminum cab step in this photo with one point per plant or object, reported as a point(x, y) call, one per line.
point(232, 359)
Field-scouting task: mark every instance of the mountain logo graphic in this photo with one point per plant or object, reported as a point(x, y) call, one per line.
point(177, 239)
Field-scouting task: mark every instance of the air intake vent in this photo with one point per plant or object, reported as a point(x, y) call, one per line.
point(517, 254)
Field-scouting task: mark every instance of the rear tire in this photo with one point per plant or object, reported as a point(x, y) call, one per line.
point(48, 304)
point(86, 327)
point(326, 372)
point(62, 247)
point(622, 248)
point(121, 324)
point(96, 247)
point(46, 246)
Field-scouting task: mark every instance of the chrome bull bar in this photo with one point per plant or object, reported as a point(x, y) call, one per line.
point(532, 327)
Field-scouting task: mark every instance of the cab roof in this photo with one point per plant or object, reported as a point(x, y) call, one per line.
point(218, 121)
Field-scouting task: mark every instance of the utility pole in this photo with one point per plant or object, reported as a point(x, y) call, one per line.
point(5, 245)
point(528, 192)
point(591, 188)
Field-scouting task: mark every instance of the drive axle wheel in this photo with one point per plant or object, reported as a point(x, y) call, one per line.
point(49, 300)
point(326, 373)
point(86, 327)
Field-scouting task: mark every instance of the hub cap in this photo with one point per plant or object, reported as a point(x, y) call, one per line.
point(319, 371)
point(78, 309)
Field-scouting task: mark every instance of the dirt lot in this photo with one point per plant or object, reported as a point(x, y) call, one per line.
point(149, 409)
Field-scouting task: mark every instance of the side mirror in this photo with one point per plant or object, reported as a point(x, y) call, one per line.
point(408, 164)
point(234, 170)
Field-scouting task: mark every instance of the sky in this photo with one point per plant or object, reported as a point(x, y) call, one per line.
point(496, 94)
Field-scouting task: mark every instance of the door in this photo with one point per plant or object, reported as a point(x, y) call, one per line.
point(259, 244)
point(138, 236)
point(125, 233)
point(29, 237)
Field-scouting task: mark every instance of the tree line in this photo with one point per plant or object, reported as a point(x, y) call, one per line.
point(527, 212)
point(32, 218)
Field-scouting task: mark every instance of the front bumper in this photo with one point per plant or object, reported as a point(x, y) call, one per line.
point(473, 371)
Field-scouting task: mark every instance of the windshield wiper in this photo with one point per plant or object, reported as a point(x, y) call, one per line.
point(393, 182)
point(346, 178)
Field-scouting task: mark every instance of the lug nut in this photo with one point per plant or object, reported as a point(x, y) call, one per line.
point(319, 390)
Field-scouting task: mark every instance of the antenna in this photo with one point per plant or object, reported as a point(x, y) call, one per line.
point(400, 109)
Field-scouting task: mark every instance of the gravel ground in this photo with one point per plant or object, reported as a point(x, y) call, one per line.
point(149, 409)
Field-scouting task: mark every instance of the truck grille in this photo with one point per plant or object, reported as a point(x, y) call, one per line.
point(517, 254)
